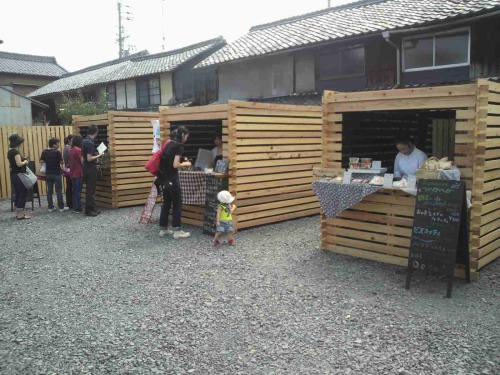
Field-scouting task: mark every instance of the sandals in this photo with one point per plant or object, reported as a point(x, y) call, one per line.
point(24, 217)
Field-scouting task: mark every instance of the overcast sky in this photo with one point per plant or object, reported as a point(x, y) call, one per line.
point(81, 33)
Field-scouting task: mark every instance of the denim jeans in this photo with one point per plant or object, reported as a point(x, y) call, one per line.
point(171, 197)
point(77, 193)
point(54, 179)
point(21, 192)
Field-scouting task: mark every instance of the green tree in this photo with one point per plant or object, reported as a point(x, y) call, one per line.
point(78, 105)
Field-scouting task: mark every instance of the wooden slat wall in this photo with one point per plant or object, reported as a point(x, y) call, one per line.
point(272, 150)
point(473, 155)
point(130, 145)
point(486, 231)
point(36, 139)
point(129, 137)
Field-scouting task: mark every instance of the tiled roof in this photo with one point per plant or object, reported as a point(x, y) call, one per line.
point(137, 65)
point(16, 63)
point(354, 19)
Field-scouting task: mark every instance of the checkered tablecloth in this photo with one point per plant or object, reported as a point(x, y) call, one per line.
point(193, 186)
point(335, 198)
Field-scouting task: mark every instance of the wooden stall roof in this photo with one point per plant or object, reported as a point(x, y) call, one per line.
point(207, 112)
point(221, 111)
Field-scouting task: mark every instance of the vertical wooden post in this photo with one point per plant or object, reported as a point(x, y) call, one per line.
point(478, 156)
point(233, 165)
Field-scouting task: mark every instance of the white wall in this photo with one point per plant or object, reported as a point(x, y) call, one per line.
point(266, 77)
point(14, 110)
point(131, 94)
point(166, 90)
point(121, 95)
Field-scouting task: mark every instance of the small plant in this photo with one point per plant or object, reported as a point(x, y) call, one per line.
point(78, 105)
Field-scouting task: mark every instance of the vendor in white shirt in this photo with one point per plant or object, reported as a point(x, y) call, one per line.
point(408, 160)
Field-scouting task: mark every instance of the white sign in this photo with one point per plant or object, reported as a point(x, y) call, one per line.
point(101, 148)
point(347, 177)
point(388, 177)
point(156, 135)
point(376, 164)
point(412, 182)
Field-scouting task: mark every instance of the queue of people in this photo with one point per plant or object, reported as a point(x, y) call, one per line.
point(77, 163)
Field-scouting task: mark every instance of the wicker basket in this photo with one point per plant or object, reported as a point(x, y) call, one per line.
point(423, 173)
point(427, 174)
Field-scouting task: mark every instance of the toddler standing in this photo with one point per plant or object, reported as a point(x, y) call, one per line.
point(225, 218)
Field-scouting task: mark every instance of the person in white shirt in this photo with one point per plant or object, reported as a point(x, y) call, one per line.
point(408, 160)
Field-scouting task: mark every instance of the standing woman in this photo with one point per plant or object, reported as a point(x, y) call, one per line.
point(53, 160)
point(66, 172)
point(18, 165)
point(76, 172)
point(172, 194)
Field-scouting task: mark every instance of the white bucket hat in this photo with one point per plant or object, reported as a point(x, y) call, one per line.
point(225, 197)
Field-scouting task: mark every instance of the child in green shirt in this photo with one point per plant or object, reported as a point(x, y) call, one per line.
point(225, 218)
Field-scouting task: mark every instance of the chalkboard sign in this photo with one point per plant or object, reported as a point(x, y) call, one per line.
point(221, 166)
point(213, 186)
point(440, 230)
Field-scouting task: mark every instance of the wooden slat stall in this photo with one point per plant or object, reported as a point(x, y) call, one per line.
point(379, 228)
point(193, 117)
point(272, 150)
point(486, 227)
point(36, 139)
point(129, 138)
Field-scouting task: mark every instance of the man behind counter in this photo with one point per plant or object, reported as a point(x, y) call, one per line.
point(408, 160)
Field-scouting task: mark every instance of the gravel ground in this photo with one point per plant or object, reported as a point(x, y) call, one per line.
point(106, 295)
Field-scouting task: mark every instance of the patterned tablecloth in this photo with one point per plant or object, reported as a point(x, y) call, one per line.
point(193, 186)
point(335, 198)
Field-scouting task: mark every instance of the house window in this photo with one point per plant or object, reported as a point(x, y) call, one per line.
point(111, 95)
point(148, 92)
point(437, 51)
point(345, 62)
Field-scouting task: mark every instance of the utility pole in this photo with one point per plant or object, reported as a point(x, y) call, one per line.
point(120, 31)
point(163, 24)
point(123, 15)
point(329, 3)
